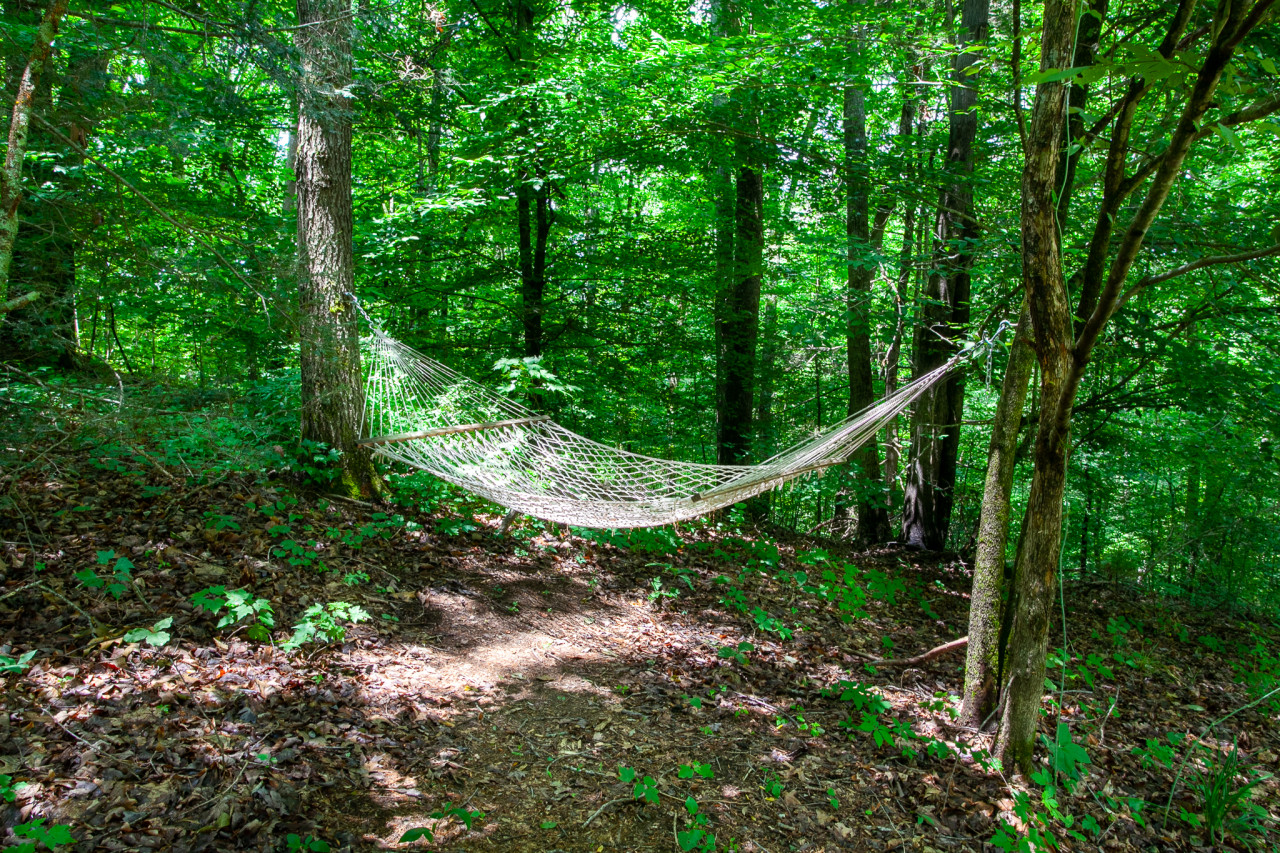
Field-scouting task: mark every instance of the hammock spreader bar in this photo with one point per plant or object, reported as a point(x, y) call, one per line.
point(450, 430)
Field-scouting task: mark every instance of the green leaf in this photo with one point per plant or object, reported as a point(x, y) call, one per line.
point(415, 834)
point(691, 805)
point(689, 838)
point(626, 774)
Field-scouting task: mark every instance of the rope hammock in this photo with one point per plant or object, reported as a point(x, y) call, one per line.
point(422, 413)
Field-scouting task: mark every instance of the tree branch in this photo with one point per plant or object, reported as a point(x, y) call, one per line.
point(151, 204)
point(18, 302)
point(1214, 260)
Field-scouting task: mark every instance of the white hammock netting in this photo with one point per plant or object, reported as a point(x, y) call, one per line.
point(422, 413)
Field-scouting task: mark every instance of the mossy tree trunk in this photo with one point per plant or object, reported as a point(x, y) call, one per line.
point(332, 382)
point(19, 130)
point(981, 673)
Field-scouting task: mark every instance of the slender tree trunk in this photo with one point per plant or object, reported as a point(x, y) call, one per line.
point(1064, 345)
point(768, 366)
point(332, 381)
point(869, 501)
point(19, 129)
point(981, 678)
point(741, 322)
point(740, 247)
point(534, 219)
point(893, 357)
point(935, 428)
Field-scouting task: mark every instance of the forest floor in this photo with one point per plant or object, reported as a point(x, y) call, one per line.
point(525, 676)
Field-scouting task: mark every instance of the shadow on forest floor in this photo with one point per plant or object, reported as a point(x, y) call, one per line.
point(516, 675)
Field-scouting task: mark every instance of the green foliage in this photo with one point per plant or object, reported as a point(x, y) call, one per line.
point(14, 666)
point(449, 810)
point(528, 377)
point(1157, 753)
point(695, 835)
point(8, 788)
point(307, 843)
point(48, 837)
point(1067, 758)
point(157, 635)
point(645, 787)
point(324, 623)
point(1225, 800)
point(688, 771)
point(241, 605)
point(736, 653)
point(114, 584)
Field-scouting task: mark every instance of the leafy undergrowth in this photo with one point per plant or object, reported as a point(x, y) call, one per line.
point(213, 662)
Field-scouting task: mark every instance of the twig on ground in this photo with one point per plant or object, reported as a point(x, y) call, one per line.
point(937, 651)
point(596, 813)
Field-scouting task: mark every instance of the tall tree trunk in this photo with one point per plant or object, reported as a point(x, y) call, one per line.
point(741, 312)
point(869, 502)
point(740, 260)
point(19, 129)
point(981, 674)
point(935, 428)
point(1064, 344)
point(332, 392)
point(533, 209)
point(893, 356)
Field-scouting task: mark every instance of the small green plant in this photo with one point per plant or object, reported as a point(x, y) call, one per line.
point(1225, 800)
point(773, 786)
point(1157, 753)
point(217, 521)
point(20, 664)
point(454, 526)
point(449, 810)
point(50, 837)
point(688, 771)
point(862, 697)
point(657, 593)
point(297, 554)
point(310, 842)
point(695, 835)
point(114, 585)
point(157, 635)
point(355, 578)
point(832, 800)
point(737, 653)
point(240, 605)
point(645, 788)
point(315, 463)
point(323, 622)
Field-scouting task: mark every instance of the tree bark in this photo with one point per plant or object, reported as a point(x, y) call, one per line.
point(892, 446)
point(1063, 350)
point(741, 313)
point(332, 382)
point(868, 491)
point(19, 129)
point(935, 428)
point(739, 266)
point(534, 220)
point(981, 674)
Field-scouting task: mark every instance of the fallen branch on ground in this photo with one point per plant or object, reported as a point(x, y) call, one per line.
point(937, 651)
